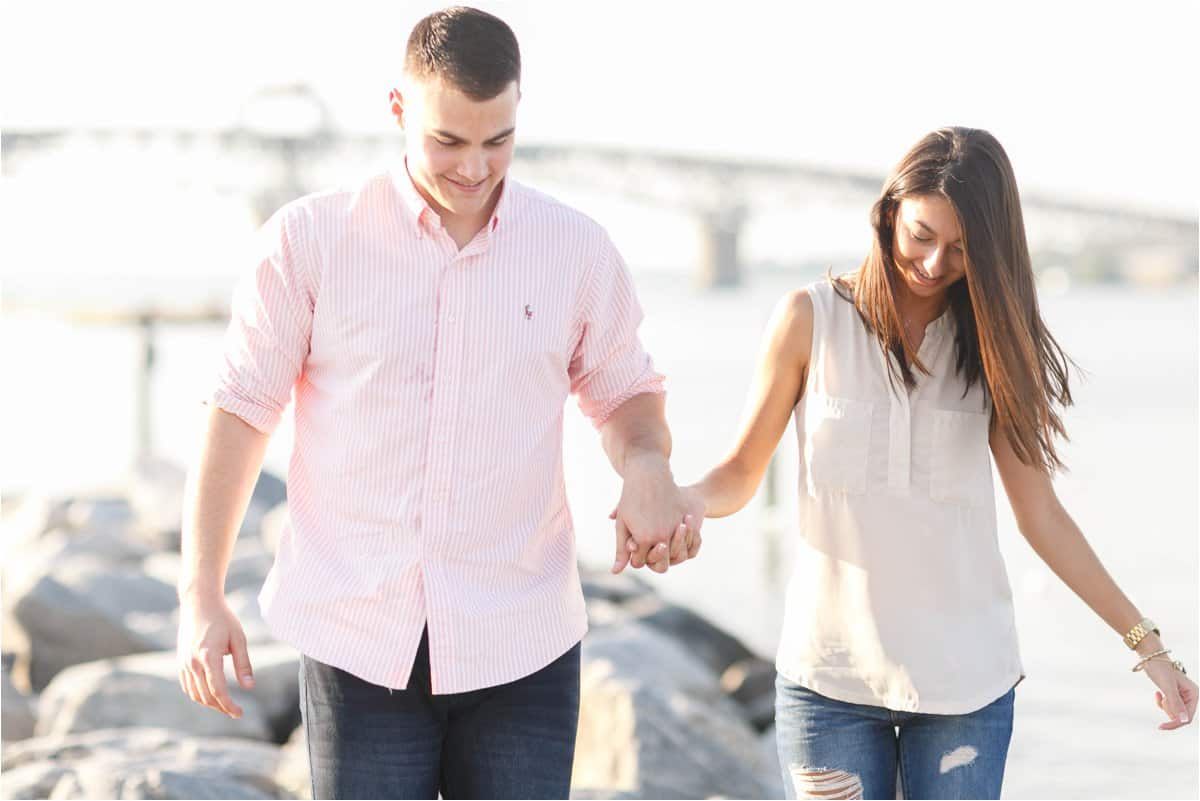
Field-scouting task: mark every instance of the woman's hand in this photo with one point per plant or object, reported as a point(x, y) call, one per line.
point(1176, 694)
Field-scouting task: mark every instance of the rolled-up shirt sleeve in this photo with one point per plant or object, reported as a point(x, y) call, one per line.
point(267, 341)
point(609, 365)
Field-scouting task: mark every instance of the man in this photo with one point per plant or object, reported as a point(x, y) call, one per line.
point(431, 323)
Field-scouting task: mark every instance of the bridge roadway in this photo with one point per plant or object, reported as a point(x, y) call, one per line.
point(271, 165)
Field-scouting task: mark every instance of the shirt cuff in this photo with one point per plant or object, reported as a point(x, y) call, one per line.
point(260, 417)
point(651, 383)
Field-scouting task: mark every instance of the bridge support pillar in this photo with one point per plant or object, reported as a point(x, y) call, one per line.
point(719, 232)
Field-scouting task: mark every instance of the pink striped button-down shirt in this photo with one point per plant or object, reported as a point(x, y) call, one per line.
point(425, 484)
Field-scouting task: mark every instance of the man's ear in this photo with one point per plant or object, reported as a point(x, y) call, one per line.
point(397, 104)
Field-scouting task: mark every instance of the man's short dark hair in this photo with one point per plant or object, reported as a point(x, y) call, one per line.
point(470, 49)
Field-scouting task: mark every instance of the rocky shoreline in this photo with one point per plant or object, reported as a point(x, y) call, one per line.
point(672, 707)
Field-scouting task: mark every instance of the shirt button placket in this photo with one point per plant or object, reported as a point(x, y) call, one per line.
point(899, 443)
point(446, 376)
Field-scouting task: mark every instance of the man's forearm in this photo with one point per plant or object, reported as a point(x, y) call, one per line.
point(217, 493)
point(637, 433)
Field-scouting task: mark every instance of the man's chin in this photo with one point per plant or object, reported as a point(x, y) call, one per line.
point(458, 205)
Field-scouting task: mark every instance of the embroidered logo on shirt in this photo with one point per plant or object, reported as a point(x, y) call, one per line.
point(528, 312)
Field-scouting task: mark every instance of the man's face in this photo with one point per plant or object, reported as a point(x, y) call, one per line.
point(458, 149)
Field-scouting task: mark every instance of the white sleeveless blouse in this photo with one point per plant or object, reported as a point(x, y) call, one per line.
point(899, 597)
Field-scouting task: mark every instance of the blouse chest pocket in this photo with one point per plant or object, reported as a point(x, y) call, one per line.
point(836, 443)
point(960, 469)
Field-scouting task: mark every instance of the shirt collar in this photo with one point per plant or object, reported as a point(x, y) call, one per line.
point(424, 215)
point(413, 201)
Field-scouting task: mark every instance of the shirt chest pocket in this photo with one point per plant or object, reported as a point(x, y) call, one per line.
point(960, 470)
point(836, 444)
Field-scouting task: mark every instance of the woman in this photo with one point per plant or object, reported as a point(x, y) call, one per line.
point(902, 376)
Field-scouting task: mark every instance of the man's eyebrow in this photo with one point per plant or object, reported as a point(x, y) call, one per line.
point(454, 137)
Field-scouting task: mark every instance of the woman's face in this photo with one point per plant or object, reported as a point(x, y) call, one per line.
point(927, 245)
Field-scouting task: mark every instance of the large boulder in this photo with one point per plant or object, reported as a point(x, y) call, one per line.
point(770, 755)
point(141, 691)
point(164, 566)
point(655, 723)
point(247, 569)
point(156, 490)
point(277, 686)
point(248, 565)
point(17, 713)
point(616, 588)
point(40, 512)
point(139, 763)
point(84, 608)
point(292, 773)
point(244, 604)
point(16, 653)
point(272, 525)
point(713, 646)
point(751, 682)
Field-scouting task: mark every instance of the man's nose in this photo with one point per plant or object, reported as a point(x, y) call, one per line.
point(473, 168)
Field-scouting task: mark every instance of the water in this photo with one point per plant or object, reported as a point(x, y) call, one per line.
point(1085, 724)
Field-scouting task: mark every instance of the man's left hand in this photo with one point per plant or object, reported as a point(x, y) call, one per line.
point(657, 523)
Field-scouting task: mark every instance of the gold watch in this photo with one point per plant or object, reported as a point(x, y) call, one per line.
point(1138, 633)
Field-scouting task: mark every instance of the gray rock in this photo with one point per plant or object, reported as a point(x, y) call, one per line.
point(112, 545)
point(715, 647)
point(101, 512)
point(751, 682)
point(139, 763)
point(271, 526)
point(244, 604)
point(164, 566)
point(41, 512)
point(654, 723)
point(618, 588)
point(17, 648)
point(85, 609)
point(16, 715)
point(156, 489)
point(248, 566)
point(35, 780)
point(770, 756)
point(46, 530)
point(277, 686)
point(141, 690)
point(292, 774)
point(156, 493)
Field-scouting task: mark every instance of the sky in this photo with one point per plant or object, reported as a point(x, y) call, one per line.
point(1096, 101)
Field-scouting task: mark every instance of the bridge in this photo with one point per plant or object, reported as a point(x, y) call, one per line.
point(285, 143)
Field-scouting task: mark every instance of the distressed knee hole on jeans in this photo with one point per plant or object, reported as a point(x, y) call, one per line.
point(818, 783)
point(958, 758)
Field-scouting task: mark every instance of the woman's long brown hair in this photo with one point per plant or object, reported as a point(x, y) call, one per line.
point(1000, 337)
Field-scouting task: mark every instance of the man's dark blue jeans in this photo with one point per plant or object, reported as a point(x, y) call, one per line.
point(516, 740)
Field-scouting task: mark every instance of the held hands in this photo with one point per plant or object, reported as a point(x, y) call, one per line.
point(208, 630)
point(657, 523)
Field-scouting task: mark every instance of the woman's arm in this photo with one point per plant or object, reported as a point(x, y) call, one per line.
point(1054, 536)
point(778, 382)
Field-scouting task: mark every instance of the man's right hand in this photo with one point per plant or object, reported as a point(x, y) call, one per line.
point(208, 630)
